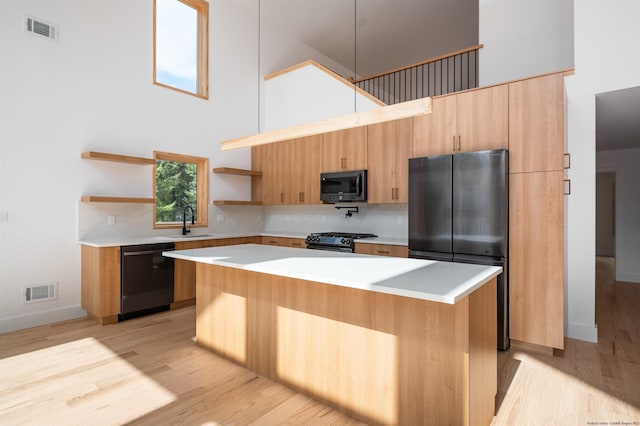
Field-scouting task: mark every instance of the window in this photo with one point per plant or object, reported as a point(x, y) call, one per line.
point(180, 181)
point(180, 45)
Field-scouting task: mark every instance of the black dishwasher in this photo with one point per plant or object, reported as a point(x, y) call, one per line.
point(146, 283)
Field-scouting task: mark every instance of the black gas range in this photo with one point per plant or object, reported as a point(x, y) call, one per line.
point(335, 241)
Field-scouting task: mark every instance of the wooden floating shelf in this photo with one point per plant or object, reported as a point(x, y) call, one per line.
point(117, 158)
point(236, 203)
point(102, 199)
point(232, 171)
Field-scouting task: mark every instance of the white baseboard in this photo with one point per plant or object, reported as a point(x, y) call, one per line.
point(41, 318)
point(584, 332)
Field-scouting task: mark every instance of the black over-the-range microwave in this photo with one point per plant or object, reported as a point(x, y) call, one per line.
point(342, 187)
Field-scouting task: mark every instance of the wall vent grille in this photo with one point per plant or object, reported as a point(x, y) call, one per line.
point(40, 293)
point(39, 27)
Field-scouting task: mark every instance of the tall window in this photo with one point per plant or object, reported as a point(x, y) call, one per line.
point(181, 45)
point(180, 182)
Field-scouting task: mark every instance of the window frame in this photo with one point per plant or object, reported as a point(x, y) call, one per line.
point(202, 83)
point(202, 193)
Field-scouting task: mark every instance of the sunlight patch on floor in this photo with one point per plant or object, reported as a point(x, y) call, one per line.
point(71, 378)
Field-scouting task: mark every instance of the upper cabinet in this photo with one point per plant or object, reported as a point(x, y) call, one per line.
point(302, 175)
point(290, 171)
point(388, 151)
point(476, 120)
point(345, 150)
point(536, 124)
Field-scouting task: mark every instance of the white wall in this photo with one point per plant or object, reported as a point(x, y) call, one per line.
point(523, 38)
point(93, 90)
point(605, 34)
point(627, 198)
point(309, 94)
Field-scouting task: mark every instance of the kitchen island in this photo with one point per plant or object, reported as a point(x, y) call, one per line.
point(386, 340)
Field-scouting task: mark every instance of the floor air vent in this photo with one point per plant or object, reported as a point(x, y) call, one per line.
point(40, 293)
point(39, 27)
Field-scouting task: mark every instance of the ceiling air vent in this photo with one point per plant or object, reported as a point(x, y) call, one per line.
point(40, 293)
point(39, 27)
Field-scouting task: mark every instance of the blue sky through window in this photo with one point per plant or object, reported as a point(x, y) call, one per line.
point(176, 45)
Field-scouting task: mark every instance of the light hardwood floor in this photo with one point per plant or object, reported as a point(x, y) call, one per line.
point(149, 371)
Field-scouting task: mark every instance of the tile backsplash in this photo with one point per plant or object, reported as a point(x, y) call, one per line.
point(384, 220)
point(135, 220)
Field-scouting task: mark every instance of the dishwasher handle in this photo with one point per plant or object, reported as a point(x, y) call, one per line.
point(143, 252)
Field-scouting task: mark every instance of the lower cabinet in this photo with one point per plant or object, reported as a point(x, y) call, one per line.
point(536, 258)
point(184, 274)
point(382, 249)
point(100, 282)
point(184, 283)
point(284, 242)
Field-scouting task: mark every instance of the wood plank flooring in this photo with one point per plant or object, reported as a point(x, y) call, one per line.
point(148, 371)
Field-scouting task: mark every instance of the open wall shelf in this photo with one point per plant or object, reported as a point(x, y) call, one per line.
point(104, 199)
point(117, 158)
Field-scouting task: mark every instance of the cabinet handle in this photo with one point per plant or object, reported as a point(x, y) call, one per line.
point(567, 155)
point(393, 197)
point(302, 196)
point(567, 181)
point(383, 251)
point(299, 196)
point(282, 197)
point(459, 143)
point(272, 242)
point(296, 244)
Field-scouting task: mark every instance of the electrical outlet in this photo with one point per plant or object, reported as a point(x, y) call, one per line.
point(111, 219)
point(220, 218)
point(4, 216)
point(400, 221)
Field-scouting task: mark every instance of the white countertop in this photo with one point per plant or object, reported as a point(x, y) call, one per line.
point(443, 282)
point(116, 241)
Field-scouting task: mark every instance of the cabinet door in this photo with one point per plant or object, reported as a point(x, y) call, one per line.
point(536, 258)
point(382, 249)
point(273, 174)
point(184, 274)
point(345, 150)
point(402, 152)
point(258, 162)
point(302, 170)
point(433, 134)
point(381, 139)
point(536, 124)
point(482, 119)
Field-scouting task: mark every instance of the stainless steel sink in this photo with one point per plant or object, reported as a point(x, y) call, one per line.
point(188, 236)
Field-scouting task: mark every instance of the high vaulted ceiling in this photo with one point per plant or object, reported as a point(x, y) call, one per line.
point(373, 36)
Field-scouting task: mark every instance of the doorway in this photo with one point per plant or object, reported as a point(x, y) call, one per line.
point(605, 214)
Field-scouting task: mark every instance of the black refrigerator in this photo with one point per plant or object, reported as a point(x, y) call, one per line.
point(458, 212)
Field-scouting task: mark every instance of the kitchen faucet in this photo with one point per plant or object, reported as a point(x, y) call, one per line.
point(185, 231)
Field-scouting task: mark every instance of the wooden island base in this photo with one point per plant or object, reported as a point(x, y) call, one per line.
point(380, 358)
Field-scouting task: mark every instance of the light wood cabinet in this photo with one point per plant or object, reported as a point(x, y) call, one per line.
point(184, 274)
point(389, 147)
point(100, 282)
point(536, 124)
point(382, 249)
point(302, 170)
point(290, 171)
point(476, 120)
point(284, 242)
point(536, 258)
point(345, 150)
point(184, 282)
point(433, 134)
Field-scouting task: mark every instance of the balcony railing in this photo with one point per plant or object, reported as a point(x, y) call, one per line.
point(448, 73)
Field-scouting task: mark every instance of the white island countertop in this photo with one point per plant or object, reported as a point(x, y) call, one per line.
point(434, 281)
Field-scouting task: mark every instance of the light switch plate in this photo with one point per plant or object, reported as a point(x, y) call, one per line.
point(4, 216)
